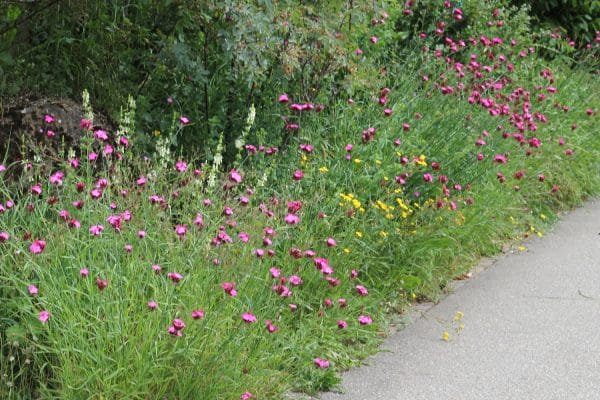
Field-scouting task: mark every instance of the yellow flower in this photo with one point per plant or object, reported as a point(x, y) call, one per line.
point(357, 161)
point(359, 234)
point(389, 216)
point(156, 133)
point(446, 336)
point(347, 250)
point(521, 248)
point(542, 216)
point(378, 162)
point(383, 234)
point(323, 169)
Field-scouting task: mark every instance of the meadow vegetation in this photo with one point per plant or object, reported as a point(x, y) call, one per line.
point(214, 258)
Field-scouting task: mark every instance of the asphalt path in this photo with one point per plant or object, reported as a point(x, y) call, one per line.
point(531, 329)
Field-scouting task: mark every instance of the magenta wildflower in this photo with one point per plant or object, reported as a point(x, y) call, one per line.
point(321, 363)
point(37, 246)
point(84, 272)
point(4, 236)
point(180, 230)
point(96, 230)
point(298, 175)
point(32, 289)
point(86, 124)
point(270, 327)
point(292, 219)
point(361, 290)
point(283, 98)
point(49, 119)
point(229, 288)
point(152, 305)
point(181, 166)
point(44, 316)
point(295, 280)
point(156, 268)
point(246, 396)
point(342, 324)
point(101, 135)
point(365, 320)
point(184, 120)
point(249, 318)
point(331, 242)
point(198, 314)
point(235, 176)
point(102, 284)
point(175, 277)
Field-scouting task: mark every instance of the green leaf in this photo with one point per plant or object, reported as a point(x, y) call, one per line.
point(13, 12)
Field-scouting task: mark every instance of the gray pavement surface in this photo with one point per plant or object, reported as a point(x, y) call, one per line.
point(531, 329)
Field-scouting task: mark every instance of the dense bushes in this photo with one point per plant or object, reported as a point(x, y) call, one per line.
point(212, 60)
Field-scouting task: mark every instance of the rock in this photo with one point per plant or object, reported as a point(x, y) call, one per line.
point(23, 131)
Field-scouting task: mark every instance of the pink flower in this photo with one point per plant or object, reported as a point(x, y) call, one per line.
point(270, 327)
point(102, 284)
point(244, 237)
point(235, 176)
point(181, 166)
point(37, 246)
point(199, 221)
point(295, 280)
point(184, 120)
point(321, 363)
point(152, 305)
point(500, 159)
point(283, 98)
point(44, 316)
point(175, 277)
point(359, 52)
point(32, 289)
point(178, 324)
point(180, 230)
point(128, 248)
point(84, 272)
point(331, 242)
point(292, 219)
point(246, 396)
point(342, 324)
point(156, 268)
point(198, 314)
point(374, 39)
point(249, 318)
point(86, 124)
point(365, 320)
point(101, 135)
point(141, 181)
point(96, 230)
point(229, 288)
point(36, 189)
point(361, 290)
point(49, 119)
point(4, 236)
point(298, 175)
point(141, 234)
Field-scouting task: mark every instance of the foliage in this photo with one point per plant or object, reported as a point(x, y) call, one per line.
point(151, 275)
point(579, 20)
